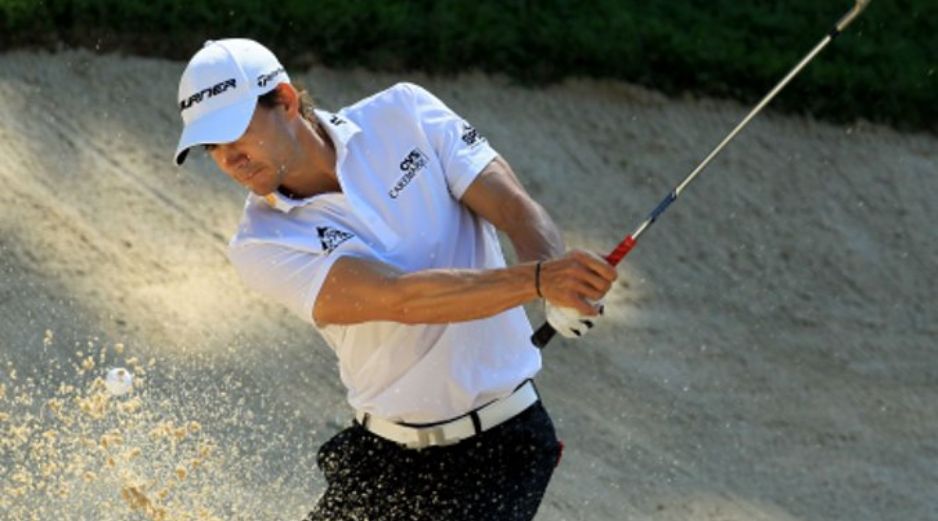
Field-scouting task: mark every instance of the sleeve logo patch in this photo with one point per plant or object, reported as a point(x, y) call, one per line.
point(470, 136)
point(331, 238)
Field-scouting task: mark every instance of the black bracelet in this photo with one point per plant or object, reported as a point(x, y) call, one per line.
point(537, 278)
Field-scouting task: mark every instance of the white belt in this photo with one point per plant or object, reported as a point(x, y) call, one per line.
point(453, 431)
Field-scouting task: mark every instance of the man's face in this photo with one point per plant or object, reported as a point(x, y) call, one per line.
point(258, 160)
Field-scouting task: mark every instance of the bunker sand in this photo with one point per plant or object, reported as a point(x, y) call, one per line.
point(769, 355)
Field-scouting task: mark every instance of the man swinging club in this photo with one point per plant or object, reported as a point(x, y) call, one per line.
point(377, 224)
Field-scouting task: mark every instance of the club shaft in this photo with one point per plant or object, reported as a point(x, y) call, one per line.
point(626, 245)
point(742, 124)
point(544, 334)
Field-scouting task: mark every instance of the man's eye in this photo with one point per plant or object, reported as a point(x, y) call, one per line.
point(208, 148)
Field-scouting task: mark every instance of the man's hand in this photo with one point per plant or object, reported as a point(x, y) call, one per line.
point(573, 286)
point(578, 279)
point(568, 321)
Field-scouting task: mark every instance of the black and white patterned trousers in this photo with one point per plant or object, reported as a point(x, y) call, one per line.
point(498, 475)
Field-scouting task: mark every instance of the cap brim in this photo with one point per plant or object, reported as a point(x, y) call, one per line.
point(220, 126)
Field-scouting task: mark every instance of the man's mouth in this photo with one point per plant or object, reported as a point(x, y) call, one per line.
point(251, 175)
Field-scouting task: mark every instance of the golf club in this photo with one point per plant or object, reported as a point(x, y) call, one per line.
point(545, 333)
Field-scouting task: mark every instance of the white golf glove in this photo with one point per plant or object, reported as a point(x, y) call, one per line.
point(568, 321)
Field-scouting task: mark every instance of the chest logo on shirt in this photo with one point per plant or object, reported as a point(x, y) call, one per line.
point(415, 161)
point(331, 238)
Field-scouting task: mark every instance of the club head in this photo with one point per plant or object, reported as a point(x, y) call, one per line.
point(851, 16)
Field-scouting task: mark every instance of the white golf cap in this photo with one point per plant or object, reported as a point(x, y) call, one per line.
point(219, 89)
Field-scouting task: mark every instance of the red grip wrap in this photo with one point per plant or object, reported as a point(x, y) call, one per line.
point(621, 251)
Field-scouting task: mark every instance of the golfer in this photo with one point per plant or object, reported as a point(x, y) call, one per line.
point(377, 225)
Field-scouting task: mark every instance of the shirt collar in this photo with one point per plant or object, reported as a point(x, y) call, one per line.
point(278, 201)
point(340, 130)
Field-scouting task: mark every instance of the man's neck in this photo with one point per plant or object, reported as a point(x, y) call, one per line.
point(316, 172)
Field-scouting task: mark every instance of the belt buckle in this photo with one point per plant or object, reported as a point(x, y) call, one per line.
point(431, 437)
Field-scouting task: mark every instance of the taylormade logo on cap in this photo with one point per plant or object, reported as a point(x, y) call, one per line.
point(264, 79)
point(218, 91)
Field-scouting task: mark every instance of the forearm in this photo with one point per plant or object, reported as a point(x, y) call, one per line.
point(534, 235)
point(362, 290)
point(447, 295)
point(497, 196)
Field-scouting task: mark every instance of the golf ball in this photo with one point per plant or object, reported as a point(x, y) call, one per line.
point(118, 381)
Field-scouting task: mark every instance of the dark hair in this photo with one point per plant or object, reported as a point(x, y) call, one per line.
point(272, 99)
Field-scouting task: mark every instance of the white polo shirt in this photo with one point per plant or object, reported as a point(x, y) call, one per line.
point(403, 160)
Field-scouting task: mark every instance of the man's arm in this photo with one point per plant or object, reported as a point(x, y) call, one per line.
point(358, 290)
point(361, 290)
point(498, 197)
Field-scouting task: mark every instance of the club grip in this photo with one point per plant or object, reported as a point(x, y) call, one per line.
point(546, 332)
point(542, 336)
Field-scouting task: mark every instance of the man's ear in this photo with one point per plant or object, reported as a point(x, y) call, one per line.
point(289, 98)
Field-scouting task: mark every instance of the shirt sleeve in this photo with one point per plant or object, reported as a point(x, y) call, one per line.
point(289, 276)
point(462, 151)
